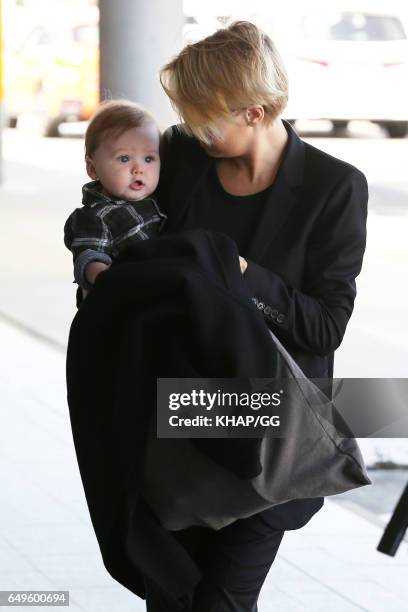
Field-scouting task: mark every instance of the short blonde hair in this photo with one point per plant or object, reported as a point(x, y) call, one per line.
point(113, 118)
point(234, 68)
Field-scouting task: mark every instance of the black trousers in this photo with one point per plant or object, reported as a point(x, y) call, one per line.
point(235, 561)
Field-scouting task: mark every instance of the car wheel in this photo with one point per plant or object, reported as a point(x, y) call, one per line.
point(396, 129)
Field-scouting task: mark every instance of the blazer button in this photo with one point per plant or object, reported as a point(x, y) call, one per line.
point(261, 305)
point(280, 318)
point(267, 310)
point(273, 314)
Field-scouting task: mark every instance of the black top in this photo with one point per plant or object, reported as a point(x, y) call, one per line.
point(213, 208)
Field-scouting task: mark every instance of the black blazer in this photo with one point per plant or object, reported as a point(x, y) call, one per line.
point(307, 249)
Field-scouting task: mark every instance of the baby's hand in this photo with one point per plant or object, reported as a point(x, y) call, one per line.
point(243, 264)
point(93, 269)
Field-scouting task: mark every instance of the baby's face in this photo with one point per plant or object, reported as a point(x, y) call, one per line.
point(128, 166)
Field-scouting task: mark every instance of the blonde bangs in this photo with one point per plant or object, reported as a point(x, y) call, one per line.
point(232, 69)
point(198, 107)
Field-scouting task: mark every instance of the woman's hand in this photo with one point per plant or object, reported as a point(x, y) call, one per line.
point(243, 263)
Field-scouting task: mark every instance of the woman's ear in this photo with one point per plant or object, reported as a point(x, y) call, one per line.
point(90, 168)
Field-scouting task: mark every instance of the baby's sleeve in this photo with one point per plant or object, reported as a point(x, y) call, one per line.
point(88, 237)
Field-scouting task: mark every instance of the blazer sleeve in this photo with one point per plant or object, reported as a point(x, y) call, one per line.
point(315, 318)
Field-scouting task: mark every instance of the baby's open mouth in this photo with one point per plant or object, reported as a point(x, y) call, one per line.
point(136, 184)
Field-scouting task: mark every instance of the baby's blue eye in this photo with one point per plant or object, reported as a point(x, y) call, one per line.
point(124, 158)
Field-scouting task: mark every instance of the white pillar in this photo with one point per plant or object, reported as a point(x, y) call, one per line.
point(136, 39)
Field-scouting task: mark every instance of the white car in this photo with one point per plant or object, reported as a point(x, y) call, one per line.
point(349, 64)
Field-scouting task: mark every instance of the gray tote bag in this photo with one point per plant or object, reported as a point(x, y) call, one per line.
point(184, 487)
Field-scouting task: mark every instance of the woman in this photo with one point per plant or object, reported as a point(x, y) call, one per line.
point(298, 216)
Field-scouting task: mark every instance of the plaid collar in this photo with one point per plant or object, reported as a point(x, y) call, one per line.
point(92, 195)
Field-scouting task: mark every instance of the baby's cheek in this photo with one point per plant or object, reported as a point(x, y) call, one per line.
point(156, 172)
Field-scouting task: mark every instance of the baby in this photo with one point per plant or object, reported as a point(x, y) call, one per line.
point(122, 157)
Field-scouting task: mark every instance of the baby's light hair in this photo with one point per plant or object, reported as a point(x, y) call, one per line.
point(230, 70)
point(113, 118)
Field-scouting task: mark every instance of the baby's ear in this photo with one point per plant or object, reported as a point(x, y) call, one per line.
point(90, 168)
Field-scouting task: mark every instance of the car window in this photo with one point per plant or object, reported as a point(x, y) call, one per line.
point(352, 26)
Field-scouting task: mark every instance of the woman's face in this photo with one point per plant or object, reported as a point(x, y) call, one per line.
point(235, 137)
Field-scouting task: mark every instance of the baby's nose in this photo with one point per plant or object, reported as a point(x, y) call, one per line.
point(137, 169)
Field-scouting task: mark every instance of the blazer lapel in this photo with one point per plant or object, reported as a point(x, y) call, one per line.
point(282, 197)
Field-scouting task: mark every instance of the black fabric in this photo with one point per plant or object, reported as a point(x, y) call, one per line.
point(234, 560)
point(148, 317)
point(213, 208)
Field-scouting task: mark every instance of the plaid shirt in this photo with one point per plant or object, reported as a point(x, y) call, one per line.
point(104, 226)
